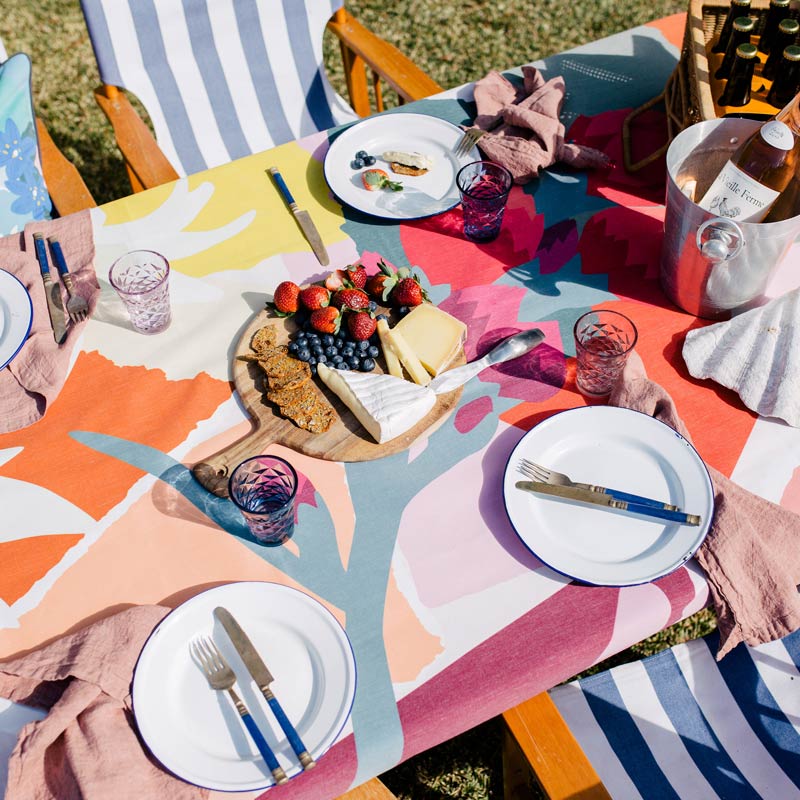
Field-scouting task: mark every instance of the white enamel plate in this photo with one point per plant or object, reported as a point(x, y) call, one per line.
point(421, 196)
point(620, 449)
point(196, 733)
point(16, 315)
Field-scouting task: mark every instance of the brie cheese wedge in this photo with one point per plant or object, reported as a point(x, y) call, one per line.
point(385, 405)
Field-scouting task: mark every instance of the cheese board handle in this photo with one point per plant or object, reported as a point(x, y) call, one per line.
point(213, 472)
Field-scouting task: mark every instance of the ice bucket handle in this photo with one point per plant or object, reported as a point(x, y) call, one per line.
point(720, 239)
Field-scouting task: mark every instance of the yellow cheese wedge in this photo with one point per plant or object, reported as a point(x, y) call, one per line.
point(392, 361)
point(407, 357)
point(434, 335)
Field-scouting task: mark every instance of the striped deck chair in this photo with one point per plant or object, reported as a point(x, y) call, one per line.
point(221, 80)
point(676, 725)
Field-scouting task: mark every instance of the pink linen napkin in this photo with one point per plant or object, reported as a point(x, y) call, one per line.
point(751, 555)
point(35, 377)
point(531, 136)
point(87, 747)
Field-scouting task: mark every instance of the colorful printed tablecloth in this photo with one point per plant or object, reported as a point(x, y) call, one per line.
point(413, 553)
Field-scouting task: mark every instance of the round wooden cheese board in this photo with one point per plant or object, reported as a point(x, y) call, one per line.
point(345, 440)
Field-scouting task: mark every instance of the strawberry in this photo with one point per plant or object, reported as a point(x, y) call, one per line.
point(379, 285)
point(374, 179)
point(285, 298)
point(361, 325)
point(335, 280)
point(353, 299)
point(326, 320)
point(408, 292)
point(314, 297)
point(357, 275)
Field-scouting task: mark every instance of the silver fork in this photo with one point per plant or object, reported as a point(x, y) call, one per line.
point(221, 678)
point(545, 475)
point(470, 138)
point(77, 306)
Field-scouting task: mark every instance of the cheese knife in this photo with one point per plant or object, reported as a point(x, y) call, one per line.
point(513, 347)
point(52, 291)
point(263, 678)
point(588, 496)
point(303, 219)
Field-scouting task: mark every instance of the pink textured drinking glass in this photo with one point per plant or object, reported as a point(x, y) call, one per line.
point(141, 279)
point(603, 341)
point(264, 488)
point(484, 188)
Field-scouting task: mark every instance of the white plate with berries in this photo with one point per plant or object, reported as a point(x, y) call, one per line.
point(362, 178)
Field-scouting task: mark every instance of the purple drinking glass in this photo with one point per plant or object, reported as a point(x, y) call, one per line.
point(141, 279)
point(603, 341)
point(484, 188)
point(263, 488)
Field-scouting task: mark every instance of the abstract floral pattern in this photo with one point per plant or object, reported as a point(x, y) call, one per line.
point(23, 194)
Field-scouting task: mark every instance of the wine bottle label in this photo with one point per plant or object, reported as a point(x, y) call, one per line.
point(777, 134)
point(736, 195)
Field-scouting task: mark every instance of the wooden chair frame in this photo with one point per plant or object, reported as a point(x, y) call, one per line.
point(537, 740)
point(362, 50)
point(64, 183)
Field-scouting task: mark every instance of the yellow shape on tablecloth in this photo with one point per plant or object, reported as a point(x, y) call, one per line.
point(241, 188)
point(27, 560)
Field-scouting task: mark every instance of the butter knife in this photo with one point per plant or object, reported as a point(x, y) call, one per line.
point(588, 496)
point(52, 291)
point(263, 678)
point(303, 219)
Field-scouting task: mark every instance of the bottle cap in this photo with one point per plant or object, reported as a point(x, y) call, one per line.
point(789, 26)
point(779, 3)
point(742, 3)
point(744, 24)
point(748, 51)
point(791, 53)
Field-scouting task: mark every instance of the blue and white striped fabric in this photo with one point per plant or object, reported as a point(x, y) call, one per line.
point(682, 725)
point(220, 79)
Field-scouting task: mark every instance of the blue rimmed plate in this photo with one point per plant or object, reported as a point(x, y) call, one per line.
point(626, 450)
point(421, 196)
point(16, 316)
point(196, 733)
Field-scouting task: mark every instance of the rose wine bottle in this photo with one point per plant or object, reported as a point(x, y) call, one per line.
point(759, 170)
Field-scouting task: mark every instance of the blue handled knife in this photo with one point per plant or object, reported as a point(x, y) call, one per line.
point(303, 219)
point(263, 678)
point(598, 499)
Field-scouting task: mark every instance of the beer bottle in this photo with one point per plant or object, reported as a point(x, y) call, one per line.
point(739, 8)
point(778, 11)
point(737, 89)
point(786, 35)
point(742, 28)
point(786, 85)
point(755, 175)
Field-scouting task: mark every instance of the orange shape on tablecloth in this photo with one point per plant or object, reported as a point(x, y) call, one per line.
point(672, 27)
point(27, 560)
point(97, 397)
point(698, 401)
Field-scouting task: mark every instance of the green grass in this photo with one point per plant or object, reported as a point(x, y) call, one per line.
point(454, 43)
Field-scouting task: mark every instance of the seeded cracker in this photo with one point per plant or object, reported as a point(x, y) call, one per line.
point(289, 382)
point(264, 339)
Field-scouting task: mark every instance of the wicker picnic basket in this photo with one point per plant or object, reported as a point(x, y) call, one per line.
point(691, 92)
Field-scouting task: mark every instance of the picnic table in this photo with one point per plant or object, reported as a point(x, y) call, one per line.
point(451, 618)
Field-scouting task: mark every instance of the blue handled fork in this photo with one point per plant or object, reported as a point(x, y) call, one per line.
point(221, 678)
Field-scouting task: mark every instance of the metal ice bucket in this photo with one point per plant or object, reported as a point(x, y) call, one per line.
point(713, 266)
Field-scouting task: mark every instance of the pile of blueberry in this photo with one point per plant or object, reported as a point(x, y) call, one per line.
point(362, 159)
point(339, 351)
